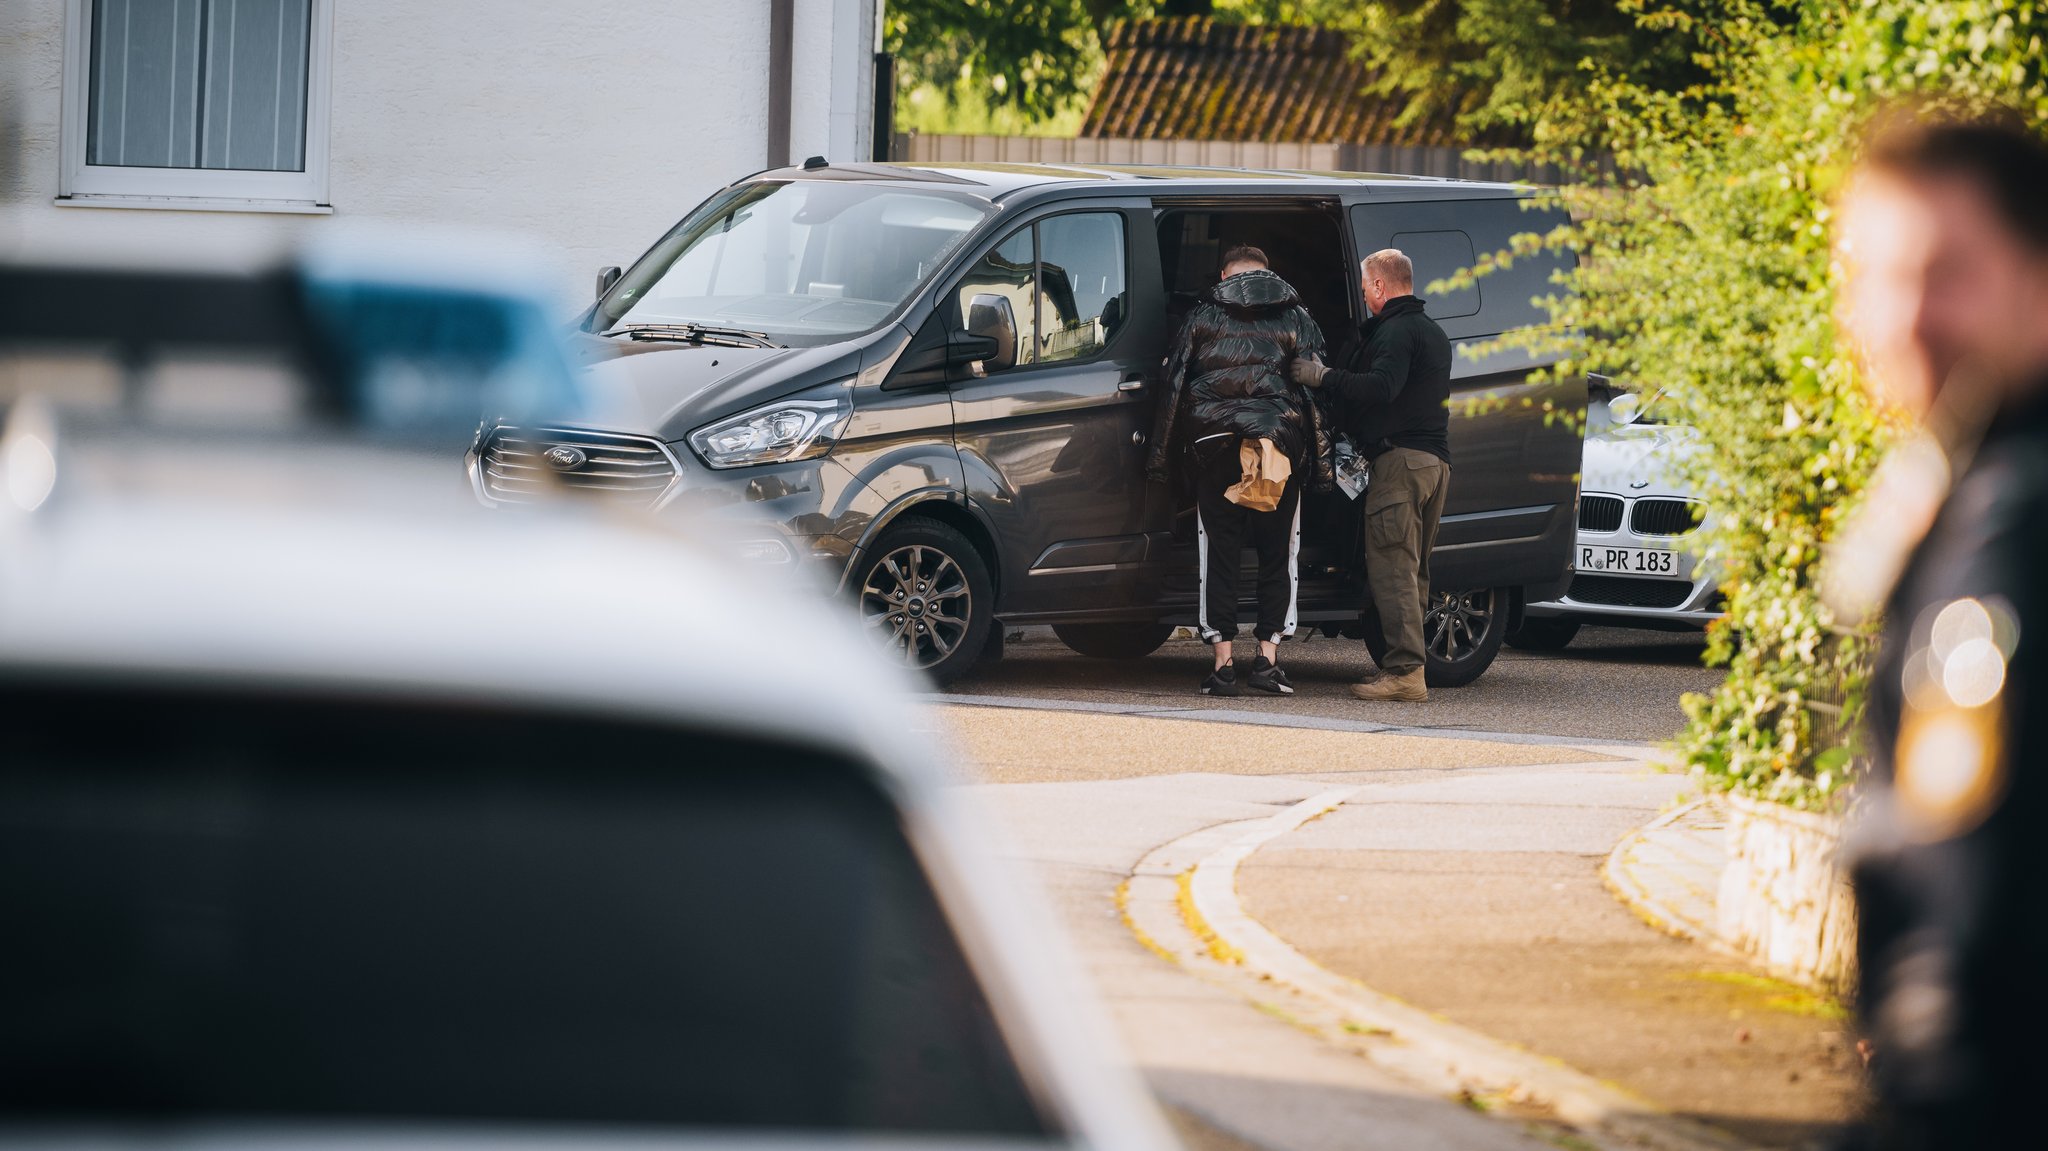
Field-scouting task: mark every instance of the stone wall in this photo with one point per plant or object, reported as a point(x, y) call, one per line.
point(1783, 899)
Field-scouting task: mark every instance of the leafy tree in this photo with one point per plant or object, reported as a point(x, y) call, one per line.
point(1035, 56)
point(1706, 271)
point(1504, 64)
point(1505, 67)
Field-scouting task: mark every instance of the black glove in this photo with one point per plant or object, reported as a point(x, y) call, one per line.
point(1307, 371)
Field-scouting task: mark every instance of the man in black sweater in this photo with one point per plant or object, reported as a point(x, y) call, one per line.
point(1389, 388)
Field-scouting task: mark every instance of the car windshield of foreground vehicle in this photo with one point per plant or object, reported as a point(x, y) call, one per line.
point(793, 262)
point(229, 907)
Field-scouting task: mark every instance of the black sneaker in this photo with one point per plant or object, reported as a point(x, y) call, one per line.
point(1268, 678)
point(1223, 681)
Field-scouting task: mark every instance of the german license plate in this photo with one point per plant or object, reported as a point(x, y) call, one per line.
point(1650, 562)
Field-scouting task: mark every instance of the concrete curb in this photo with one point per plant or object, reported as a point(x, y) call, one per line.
point(1618, 872)
point(1443, 1056)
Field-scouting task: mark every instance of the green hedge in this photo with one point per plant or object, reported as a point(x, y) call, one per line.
point(1707, 272)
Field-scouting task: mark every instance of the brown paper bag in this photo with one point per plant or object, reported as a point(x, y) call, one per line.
point(1265, 468)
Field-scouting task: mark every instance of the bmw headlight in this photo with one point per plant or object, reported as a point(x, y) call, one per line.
point(779, 433)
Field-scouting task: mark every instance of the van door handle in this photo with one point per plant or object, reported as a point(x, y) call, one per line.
point(1131, 384)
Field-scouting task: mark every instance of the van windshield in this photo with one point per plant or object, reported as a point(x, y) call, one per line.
point(803, 261)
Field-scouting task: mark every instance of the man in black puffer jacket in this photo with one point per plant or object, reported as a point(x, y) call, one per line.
point(1226, 385)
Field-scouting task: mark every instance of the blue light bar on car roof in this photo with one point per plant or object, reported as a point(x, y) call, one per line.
point(391, 345)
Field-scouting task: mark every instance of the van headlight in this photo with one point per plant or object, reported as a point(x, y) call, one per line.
point(778, 433)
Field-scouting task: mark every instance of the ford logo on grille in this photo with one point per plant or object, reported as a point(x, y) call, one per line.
point(564, 458)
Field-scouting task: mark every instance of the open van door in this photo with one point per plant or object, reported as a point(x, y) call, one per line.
point(1305, 244)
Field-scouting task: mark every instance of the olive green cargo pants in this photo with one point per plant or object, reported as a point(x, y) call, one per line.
point(1403, 503)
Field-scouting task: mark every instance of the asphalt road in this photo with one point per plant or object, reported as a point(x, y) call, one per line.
point(1611, 683)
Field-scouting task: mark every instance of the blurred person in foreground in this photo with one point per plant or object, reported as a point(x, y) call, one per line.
point(1246, 434)
point(1944, 238)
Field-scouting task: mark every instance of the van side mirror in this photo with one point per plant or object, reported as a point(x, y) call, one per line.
point(606, 277)
point(942, 352)
point(991, 343)
point(1625, 408)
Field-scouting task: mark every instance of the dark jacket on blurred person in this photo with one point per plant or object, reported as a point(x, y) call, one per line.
point(1951, 845)
point(1228, 374)
point(1390, 382)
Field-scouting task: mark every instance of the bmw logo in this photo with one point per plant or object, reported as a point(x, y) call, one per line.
point(564, 458)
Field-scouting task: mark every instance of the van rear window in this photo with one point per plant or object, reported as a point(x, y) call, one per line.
point(1439, 256)
point(220, 905)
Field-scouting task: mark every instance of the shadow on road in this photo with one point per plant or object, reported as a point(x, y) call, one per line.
point(1610, 684)
point(1234, 1113)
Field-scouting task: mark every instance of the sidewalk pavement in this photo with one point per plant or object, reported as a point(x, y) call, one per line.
point(1457, 879)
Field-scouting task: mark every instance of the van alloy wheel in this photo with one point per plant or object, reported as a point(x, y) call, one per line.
point(917, 604)
point(1457, 623)
point(1461, 633)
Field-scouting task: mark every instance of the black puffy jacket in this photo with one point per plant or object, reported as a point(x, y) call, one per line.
point(1228, 373)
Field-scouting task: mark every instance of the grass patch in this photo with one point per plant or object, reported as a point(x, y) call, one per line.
point(1778, 995)
point(1287, 1017)
point(1564, 1139)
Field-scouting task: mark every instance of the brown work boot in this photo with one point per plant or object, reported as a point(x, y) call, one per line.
point(1405, 688)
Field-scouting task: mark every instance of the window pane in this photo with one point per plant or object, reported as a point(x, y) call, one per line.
point(145, 83)
point(199, 84)
point(1006, 272)
point(1439, 256)
point(1081, 260)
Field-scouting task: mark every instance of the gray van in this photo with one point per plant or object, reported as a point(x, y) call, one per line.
point(934, 385)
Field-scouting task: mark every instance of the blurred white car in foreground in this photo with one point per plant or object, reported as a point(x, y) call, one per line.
point(339, 812)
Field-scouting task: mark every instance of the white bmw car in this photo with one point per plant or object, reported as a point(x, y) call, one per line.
point(1632, 566)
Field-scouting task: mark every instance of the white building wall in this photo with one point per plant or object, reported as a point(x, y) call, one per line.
point(589, 126)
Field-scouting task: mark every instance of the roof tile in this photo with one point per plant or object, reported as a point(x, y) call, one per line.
point(1197, 78)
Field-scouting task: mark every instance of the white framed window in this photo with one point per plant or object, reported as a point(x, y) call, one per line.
point(217, 104)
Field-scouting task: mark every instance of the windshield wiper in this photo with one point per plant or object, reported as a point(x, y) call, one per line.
point(695, 334)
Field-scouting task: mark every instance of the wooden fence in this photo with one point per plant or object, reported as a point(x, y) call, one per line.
point(1382, 158)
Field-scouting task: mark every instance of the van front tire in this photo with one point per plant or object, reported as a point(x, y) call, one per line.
point(925, 599)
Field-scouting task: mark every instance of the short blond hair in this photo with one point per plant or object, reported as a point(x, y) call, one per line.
point(1391, 265)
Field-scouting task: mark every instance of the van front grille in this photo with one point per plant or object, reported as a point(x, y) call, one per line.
point(519, 465)
point(1655, 517)
point(1599, 513)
